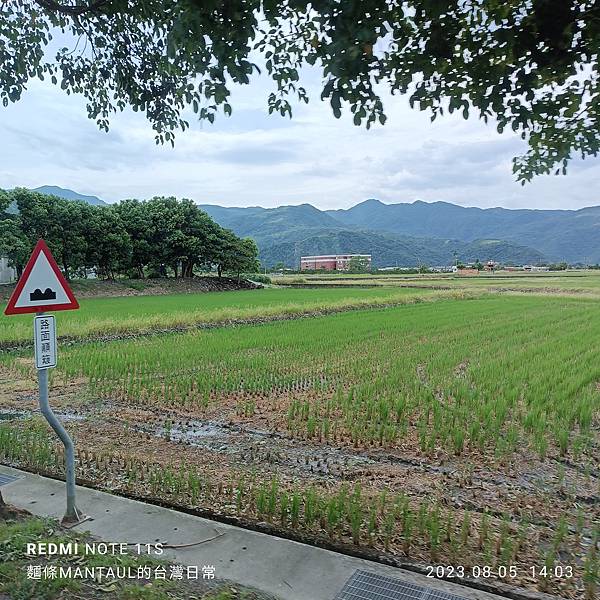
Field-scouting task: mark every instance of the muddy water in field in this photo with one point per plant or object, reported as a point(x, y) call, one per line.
point(465, 486)
point(464, 482)
point(257, 446)
point(537, 491)
point(11, 415)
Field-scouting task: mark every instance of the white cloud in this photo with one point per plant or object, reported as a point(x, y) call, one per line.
point(256, 159)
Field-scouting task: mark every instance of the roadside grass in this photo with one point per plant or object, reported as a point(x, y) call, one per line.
point(14, 580)
point(14, 561)
point(111, 316)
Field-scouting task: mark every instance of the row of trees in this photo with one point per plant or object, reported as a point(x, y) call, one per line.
point(158, 237)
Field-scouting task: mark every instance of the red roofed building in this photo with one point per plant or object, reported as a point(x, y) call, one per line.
point(331, 262)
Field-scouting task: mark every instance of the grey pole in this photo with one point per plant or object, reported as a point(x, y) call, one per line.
point(73, 515)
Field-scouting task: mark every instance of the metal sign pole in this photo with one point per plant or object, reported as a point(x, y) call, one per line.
point(43, 287)
point(73, 515)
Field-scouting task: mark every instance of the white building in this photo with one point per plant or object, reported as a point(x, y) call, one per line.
point(7, 274)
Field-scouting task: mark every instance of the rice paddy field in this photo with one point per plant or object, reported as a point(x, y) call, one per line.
point(451, 431)
point(574, 281)
point(117, 315)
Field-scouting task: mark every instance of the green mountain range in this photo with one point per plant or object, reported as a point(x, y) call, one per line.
point(54, 190)
point(406, 234)
point(286, 233)
point(570, 235)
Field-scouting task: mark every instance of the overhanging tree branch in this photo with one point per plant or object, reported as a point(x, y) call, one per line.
point(516, 63)
point(72, 9)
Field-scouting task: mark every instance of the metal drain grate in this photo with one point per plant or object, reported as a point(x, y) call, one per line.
point(4, 479)
point(372, 586)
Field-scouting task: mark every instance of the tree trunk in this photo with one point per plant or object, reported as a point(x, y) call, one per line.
point(219, 270)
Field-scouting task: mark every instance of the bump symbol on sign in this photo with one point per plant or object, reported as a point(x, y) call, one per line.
point(39, 295)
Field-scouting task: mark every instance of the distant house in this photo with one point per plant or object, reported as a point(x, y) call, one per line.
point(333, 262)
point(7, 274)
point(533, 268)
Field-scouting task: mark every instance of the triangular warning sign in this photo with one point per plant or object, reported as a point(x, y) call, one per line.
point(42, 286)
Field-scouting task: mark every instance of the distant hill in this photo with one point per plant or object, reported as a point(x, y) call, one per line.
point(408, 234)
point(288, 232)
point(393, 250)
point(278, 221)
point(571, 235)
point(54, 190)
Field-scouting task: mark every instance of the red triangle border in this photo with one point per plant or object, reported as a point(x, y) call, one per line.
point(11, 309)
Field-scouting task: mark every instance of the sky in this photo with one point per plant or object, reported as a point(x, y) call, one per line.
point(256, 159)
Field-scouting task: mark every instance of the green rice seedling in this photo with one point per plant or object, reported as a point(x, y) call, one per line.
point(484, 530)
point(503, 535)
point(465, 528)
point(591, 567)
point(450, 527)
point(407, 531)
point(458, 440)
point(355, 513)
point(372, 524)
point(311, 425)
point(389, 527)
point(355, 517)
point(434, 532)
point(284, 503)
point(261, 500)
point(193, 486)
point(295, 508)
point(422, 519)
point(333, 515)
point(506, 551)
point(546, 572)
point(310, 506)
point(272, 498)
point(560, 534)
point(487, 553)
point(382, 504)
point(580, 522)
point(342, 499)
point(240, 496)
point(521, 541)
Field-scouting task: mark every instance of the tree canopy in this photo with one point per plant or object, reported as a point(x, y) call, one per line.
point(135, 238)
point(531, 65)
